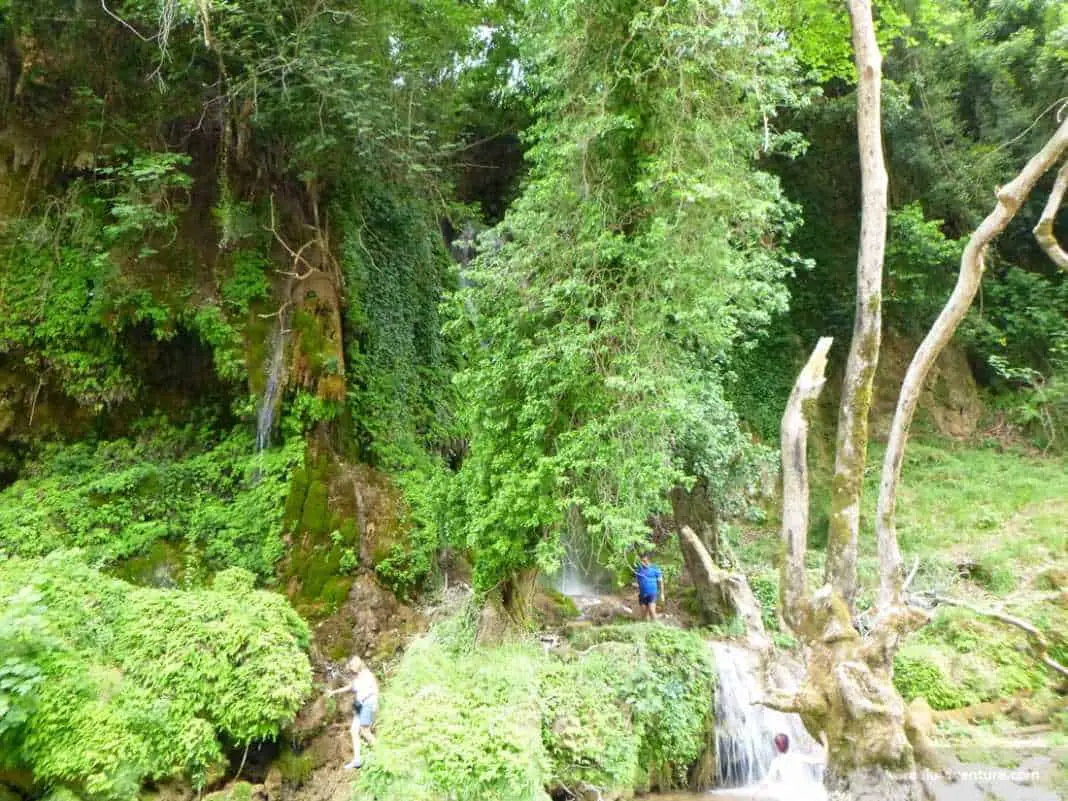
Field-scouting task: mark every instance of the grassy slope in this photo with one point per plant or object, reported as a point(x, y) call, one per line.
point(1004, 514)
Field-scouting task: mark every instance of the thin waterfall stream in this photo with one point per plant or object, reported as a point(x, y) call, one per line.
point(272, 386)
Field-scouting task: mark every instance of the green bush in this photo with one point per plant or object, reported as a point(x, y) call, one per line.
point(959, 660)
point(917, 676)
point(141, 684)
point(468, 723)
point(464, 727)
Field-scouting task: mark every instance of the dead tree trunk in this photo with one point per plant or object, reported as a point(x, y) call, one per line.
point(852, 447)
point(794, 438)
point(694, 509)
point(1044, 230)
point(1010, 198)
point(848, 691)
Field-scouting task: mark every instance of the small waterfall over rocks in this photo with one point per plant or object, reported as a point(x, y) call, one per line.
point(272, 387)
point(744, 731)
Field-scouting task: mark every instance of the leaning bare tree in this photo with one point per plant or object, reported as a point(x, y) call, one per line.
point(848, 691)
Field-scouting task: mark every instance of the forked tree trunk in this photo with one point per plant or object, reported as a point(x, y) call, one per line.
point(874, 741)
point(848, 691)
point(1010, 198)
point(852, 447)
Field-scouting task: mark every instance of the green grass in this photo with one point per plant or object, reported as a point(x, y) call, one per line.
point(1000, 511)
point(104, 685)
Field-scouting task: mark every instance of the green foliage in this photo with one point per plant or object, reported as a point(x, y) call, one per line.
point(396, 271)
point(115, 499)
point(476, 723)
point(959, 660)
point(137, 189)
point(916, 676)
point(462, 727)
point(116, 701)
point(24, 639)
point(766, 591)
point(921, 267)
point(668, 681)
point(247, 283)
point(640, 252)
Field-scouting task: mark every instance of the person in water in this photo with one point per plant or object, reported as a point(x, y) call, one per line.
point(364, 689)
point(788, 776)
point(650, 581)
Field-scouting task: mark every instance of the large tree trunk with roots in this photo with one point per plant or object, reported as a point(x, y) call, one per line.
point(848, 692)
point(507, 609)
point(875, 742)
point(852, 447)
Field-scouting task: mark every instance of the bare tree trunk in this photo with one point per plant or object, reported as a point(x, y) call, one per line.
point(721, 594)
point(1010, 198)
point(794, 437)
point(852, 447)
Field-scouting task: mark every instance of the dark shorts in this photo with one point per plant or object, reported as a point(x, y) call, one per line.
point(645, 600)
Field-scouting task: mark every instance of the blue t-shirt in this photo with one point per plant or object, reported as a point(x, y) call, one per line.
point(648, 576)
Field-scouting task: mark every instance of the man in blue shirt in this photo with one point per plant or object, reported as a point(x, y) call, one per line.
point(650, 580)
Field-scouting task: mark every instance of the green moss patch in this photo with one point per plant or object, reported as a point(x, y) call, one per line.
point(960, 659)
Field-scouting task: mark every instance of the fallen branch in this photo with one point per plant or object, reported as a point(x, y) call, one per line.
point(1044, 230)
point(1039, 643)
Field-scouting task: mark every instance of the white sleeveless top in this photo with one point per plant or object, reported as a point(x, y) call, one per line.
point(364, 686)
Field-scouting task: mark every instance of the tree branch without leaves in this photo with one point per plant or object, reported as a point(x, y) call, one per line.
point(1038, 641)
point(794, 436)
point(1010, 198)
point(852, 446)
point(1044, 230)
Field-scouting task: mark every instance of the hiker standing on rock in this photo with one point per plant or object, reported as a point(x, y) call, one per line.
point(364, 689)
point(650, 581)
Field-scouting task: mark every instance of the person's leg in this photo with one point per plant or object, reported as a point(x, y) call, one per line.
point(367, 734)
point(652, 611)
point(355, 732)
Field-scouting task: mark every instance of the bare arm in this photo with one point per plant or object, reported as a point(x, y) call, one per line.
point(346, 689)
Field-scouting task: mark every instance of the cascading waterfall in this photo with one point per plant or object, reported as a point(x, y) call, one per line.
point(272, 386)
point(744, 731)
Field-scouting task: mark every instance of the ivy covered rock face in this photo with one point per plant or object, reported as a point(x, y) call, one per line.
point(104, 685)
